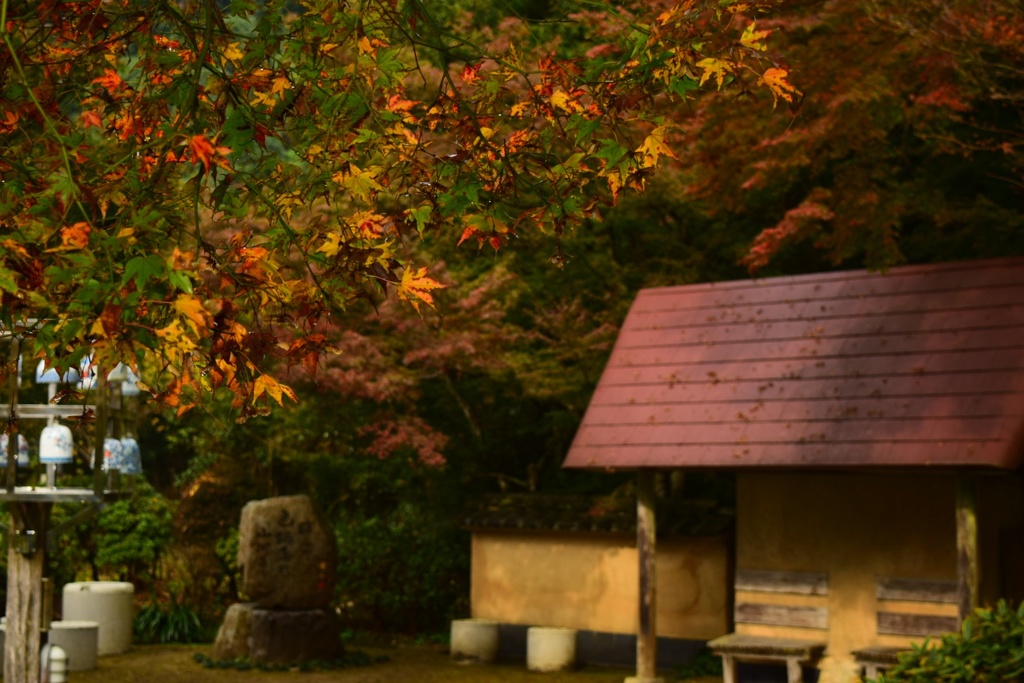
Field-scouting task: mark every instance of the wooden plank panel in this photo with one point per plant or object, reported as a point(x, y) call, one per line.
point(909, 281)
point(767, 581)
point(747, 304)
point(780, 411)
point(867, 454)
point(850, 349)
point(993, 318)
point(825, 431)
point(905, 386)
point(900, 624)
point(781, 615)
point(955, 361)
point(916, 590)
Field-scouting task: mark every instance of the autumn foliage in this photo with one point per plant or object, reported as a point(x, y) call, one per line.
point(199, 188)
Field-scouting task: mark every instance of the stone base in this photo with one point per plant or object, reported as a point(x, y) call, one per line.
point(293, 636)
point(233, 636)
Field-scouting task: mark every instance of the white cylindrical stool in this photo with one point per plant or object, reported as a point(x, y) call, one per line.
point(550, 649)
point(108, 603)
point(474, 641)
point(79, 640)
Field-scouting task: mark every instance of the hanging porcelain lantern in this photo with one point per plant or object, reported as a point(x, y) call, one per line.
point(56, 446)
point(87, 372)
point(124, 374)
point(131, 456)
point(112, 455)
point(22, 450)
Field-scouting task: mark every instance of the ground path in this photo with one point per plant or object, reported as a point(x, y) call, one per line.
point(406, 664)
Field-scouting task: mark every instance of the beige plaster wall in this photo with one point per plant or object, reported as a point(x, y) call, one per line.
point(590, 582)
point(854, 527)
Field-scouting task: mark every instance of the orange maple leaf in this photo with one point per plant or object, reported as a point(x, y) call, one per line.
point(416, 285)
point(471, 74)
point(110, 81)
point(91, 119)
point(204, 152)
point(396, 104)
point(75, 236)
point(777, 81)
point(9, 122)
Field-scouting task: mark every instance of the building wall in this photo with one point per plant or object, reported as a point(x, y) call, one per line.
point(856, 528)
point(590, 582)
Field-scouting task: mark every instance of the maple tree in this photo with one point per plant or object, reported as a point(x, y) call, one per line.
point(907, 146)
point(196, 188)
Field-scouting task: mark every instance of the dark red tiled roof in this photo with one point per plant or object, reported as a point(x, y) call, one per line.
point(923, 365)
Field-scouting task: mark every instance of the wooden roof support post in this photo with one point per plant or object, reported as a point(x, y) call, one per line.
point(966, 546)
point(11, 456)
point(647, 633)
point(26, 559)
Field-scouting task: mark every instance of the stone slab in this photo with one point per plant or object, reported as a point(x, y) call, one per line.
point(287, 554)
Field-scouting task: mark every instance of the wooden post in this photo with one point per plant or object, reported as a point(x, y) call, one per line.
point(647, 633)
point(100, 433)
point(11, 455)
point(968, 591)
point(25, 592)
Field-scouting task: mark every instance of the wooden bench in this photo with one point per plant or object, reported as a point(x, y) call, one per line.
point(876, 659)
point(893, 618)
point(795, 653)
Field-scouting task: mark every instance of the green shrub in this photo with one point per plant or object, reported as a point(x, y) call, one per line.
point(704, 663)
point(169, 623)
point(989, 647)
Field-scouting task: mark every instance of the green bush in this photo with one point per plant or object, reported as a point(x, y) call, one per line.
point(169, 623)
point(989, 647)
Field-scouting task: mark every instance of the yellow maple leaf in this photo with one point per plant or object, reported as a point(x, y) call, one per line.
point(653, 148)
point(753, 38)
point(719, 68)
point(519, 108)
point(331, 246)
point(777, 81)
point(614, 184)
point(359, 182)
point(232, 52)
point(281, 83)
point(416, 286)
point(266, 384)
point(561, 101)
point(192, 310)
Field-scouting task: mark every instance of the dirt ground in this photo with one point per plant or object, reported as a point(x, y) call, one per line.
point(406, 664)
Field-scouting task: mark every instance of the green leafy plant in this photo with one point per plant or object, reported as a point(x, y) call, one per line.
point(704, 663)
point(989, 647)
point(173, 623)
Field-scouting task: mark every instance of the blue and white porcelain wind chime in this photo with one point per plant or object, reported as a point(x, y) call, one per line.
point(56, 442)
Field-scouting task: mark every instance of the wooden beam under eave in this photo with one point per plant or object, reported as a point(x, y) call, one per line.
point(967, 574)
point(647, 632)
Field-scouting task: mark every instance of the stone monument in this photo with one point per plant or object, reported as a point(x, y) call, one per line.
point(288, 557)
